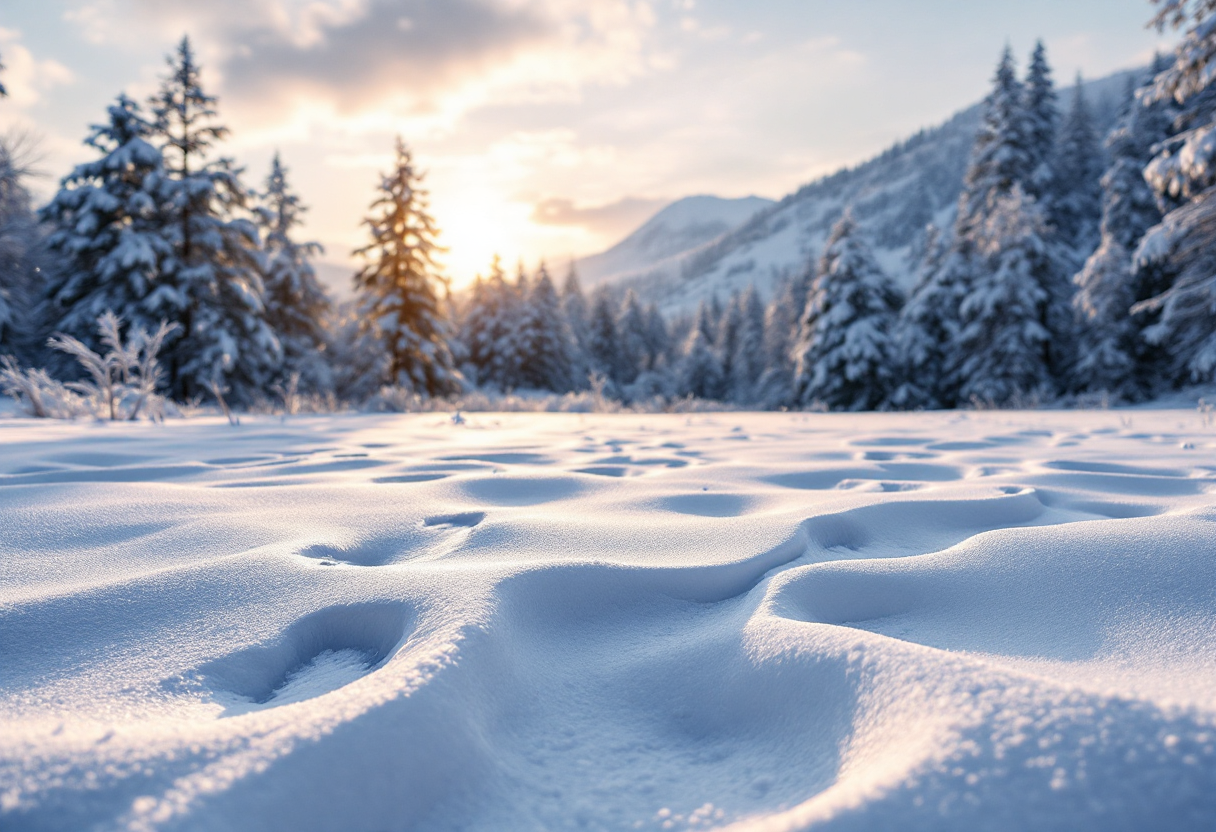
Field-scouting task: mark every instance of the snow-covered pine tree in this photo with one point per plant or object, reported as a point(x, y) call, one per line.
point(400, 284)
point(547, 342)
point(105, 226)
point(574, 304)
point(782, 321)
point(3, 89)
point(1041, 117)
point(748, 361)
point(658, 339)
point(845, 358)
point(700, 370)
point(927, 328)
point(21, 253)
point(1004, 339)
point(1113, 355)
point(106, 229)
point(1074, 209)
point(296, 304)
point(632, 339)
point(1183, 244)
point(1002, 155)
point(727, 339)
point(210, 282)
point(603, 339)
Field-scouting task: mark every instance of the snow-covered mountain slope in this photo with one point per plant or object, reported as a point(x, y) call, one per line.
point(682, 226)
point(894, 196)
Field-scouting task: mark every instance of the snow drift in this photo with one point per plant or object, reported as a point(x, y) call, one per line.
point(962, 621)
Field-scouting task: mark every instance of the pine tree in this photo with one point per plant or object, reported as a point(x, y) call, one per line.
point(296, 304)
point(1002, 155)
point(400, 285)
point(927, 328)
point(1004, 338)
point(1041, 117)
point(547, 342)
point(574, 304)
point(1183, 174)
point(748, 362)
point(20, 253)
point(106, 229)
point(782, 321)
point(1075, 206)
point(603, 339)
point(658, 338)
point(727, 339)
point(1113, 355)
point(845, 354)
point(700, 370)
point(632, 339)
point(210, 282)
point(3, 90)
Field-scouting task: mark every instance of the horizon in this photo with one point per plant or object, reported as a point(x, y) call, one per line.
point(522, 160)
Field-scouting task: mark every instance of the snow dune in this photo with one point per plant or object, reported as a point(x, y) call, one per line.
point(757, 621)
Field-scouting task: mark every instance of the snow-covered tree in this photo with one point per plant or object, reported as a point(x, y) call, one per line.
point(845, 357)
point(1075, 205)
point(21, 251)
point(603, 338)
point(1001, 156)
point(700, 370)
point(727, 339)
point(782, 322)
point(632, 337)
point(546, 341)
point(1113, 355)
point(1183, 244)
point(296, 303)
point(748, 362)
point(658, 338)
point(400, 284)
point(3, 90)
point(210, 281)
point(1004, 339)
point(106, 229)
point(928, 325)
point(1041, 117)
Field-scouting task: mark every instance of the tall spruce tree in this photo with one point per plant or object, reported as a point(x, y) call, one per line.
point(632, 339)
point(603, 338)
point(928, 327)
point(296, 304)
point(1004, 337)
point(1041, 117)
point(846, 356)
point(106, 229)
point(1075, 206)
point(1182, 246)
point(700, 370)
point(547, 342)
point(21, 254)
point(210, 282)
point(748, 362)
point(782, 321)
point(1113, 355)
point(400, 285)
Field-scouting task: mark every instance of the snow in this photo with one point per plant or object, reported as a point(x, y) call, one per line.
point(938, 621)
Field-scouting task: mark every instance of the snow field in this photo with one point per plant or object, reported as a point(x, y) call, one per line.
point(982, 620)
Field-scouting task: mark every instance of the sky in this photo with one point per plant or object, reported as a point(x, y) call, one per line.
point(547, 128)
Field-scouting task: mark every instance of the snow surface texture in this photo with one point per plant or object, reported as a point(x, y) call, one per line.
point(945, 621)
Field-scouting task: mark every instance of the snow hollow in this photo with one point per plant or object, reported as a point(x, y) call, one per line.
point(938, 621)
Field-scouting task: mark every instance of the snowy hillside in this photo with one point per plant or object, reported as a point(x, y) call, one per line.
point(893, 195)
point(677, 229)
point(935, 621)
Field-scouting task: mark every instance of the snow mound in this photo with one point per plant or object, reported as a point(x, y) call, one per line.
point(942, 621)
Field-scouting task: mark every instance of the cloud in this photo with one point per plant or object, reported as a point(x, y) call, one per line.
point(615, 218)
point(26, 77)
point(411, 50)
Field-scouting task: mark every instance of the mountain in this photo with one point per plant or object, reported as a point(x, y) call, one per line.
point(894, 196)
point(681, 227)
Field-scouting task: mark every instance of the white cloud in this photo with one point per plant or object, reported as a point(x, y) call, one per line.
point(25, 76)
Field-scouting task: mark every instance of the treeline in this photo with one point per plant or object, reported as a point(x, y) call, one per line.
point(1073, 265)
